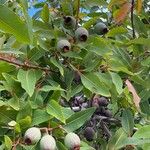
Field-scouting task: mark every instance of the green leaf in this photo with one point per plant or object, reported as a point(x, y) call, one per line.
point(14, 103)
point(140, 41)
point(143, 132)
point(78, 119)
point(25, 122)
point(48, 88)
point(28, 80)
point(93, 83)
point(40, 116)
point(117, 81)
point(45, 13)
point(60, 146)
point(11, 23)
point(28, 19)
point(8, 142)
point(116, 31)
point(58, 65)
point(98, 45)
point(127, 121)
point(117, 140)
point(55, 110)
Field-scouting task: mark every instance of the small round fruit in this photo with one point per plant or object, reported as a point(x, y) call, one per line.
point(81, 34)
point(47, 142)
point(89, 133)
point(63, 45)
point(103, 101)
point(95, 102)
point(72, 141)
point(100, 28)
point(107, 113)
point(69, 22)
point(32, 135)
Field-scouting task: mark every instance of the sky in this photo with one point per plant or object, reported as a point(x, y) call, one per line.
point(32, 10)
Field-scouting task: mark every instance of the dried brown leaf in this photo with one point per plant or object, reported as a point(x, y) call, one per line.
point(122, 13)
point(136, 98)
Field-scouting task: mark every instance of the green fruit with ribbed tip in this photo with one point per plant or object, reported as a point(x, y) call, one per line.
point(100, 28)
point(72, 141)
point(47, 142)
point(63, 45)
point(69, 22)
point(81, 34)
point(89, 133)
point(32, 135)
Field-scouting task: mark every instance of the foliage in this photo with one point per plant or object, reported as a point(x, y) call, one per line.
point(58, 89)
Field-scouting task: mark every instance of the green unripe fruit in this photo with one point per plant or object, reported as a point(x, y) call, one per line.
point(47, 143)
point(63, 45)
point(32, 135)
point(69, 22)
point(100, 28)
point(81, 34)
point(72, 141)
point(89, 133)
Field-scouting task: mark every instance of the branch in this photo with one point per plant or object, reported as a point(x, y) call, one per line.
point(8, 58)
point(132, 20)
point(78, 10)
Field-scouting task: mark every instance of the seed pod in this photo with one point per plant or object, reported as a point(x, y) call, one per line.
point(103, 101)
point(72, 141)
point(89, 133)
point(100, 28)
point(32, 135)
point(81, 34)
point(63, 45)
point(69, 22)
point(47, 142)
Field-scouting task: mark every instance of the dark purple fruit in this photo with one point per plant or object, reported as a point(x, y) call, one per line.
point(89, 133)
point(102, 101)
point(107, 113)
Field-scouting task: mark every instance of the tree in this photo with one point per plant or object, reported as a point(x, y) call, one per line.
point(77, 66)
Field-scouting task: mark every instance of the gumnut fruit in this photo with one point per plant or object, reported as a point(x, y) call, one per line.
point(47, 142)
point(89, 133)
point(100, 28)
point(63, 45)
point(69, 22)
point(32, 135)
point(72, 141)
point(81, 34)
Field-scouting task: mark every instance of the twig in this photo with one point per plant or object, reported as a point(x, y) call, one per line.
point(105, 128)
point(132, 19)
point(78, 10)
point(24, 65)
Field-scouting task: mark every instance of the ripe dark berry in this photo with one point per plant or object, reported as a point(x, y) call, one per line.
point(103, 101)
point(89, 133)
point(107, 113)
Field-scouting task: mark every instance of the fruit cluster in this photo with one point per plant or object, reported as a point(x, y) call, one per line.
point(102, 113)
point(81, 34)
point(47, 142)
